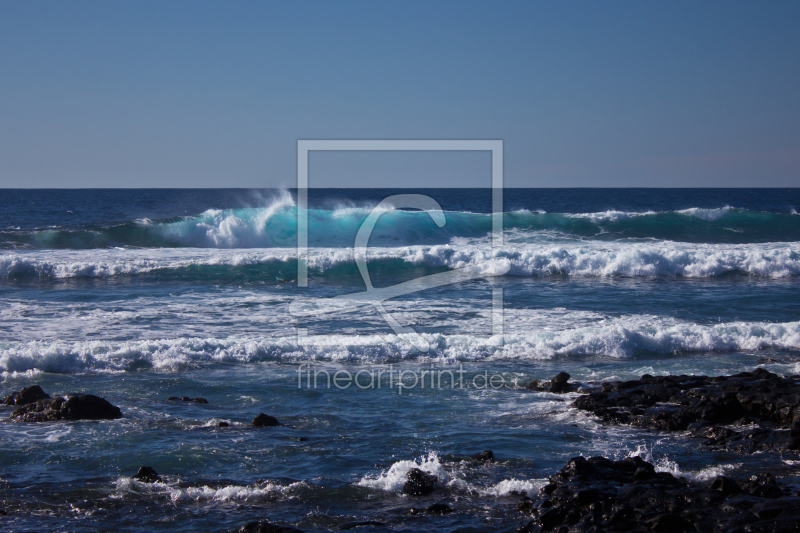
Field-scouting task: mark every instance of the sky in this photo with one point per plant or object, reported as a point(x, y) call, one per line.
point(216, 94)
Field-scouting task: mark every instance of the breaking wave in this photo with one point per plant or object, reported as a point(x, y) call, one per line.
point(623, 337)
point(448, 476)
point(586, 259)
point(276, 226)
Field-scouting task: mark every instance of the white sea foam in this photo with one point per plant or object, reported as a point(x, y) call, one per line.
point(393, 479)
point(610, 215)
point(214, 422)
point(56, 435)
point(395, 476)
point(613, 215)
point(707, 214)
point(237, 493)
point(254, 493)
point(514, 486)
point(665, 464)
point(617, 338)
point(25, 375)
point(586, 259)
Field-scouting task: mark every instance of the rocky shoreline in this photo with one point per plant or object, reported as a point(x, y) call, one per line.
point(597, 494)
point(746, 413)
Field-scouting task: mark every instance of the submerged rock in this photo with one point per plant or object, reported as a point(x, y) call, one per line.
point(266, 527)
point(707, 406)
point(419, 483)
point(72, 407)
point(439, 509)
point(147, 475)
point(487, 456)
point(435, 509)
point(262, 420)
point(27, 395)
point(186, 399)
point(559, 384)
point(599, 494)
point(361, 523)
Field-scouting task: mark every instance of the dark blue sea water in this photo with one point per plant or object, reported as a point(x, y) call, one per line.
point(140, 295)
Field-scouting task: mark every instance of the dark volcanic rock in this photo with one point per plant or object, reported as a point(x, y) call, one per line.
point(262, 420)
point(186, 399)
point(439, 509)
point(488, 455)
point(598, 494)
point(73, 407)
point(558, 384)
point(265, 527)
point(419, 483)
point(361, 523)
point(436, 509)
point(726, 486)
point(147, 475)
point(31, 394)
point(702, 404)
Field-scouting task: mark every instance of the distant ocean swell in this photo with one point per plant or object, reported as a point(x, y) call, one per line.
point(276, 225)
point(618, 338)
point(585, 259)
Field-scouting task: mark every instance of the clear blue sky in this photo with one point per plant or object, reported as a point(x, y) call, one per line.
point(216, 94)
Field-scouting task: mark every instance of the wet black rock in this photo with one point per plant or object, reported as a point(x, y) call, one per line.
point(186, 399)
point(361, 523)
point(147, 475)
point(419, 483)
point(261, 420)
point(222, 424)
point(726, 486)
point(266, 527)
point(598, 494)
point(526, 505)
point(762, 407)
point(439, 509)
point(31, 394)
point(487, 456)
point(72, 407)
point(559, 384)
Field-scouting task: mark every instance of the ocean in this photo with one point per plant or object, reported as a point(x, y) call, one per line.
point(145, 294)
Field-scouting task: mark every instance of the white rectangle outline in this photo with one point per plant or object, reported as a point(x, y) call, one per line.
point(495, 146)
